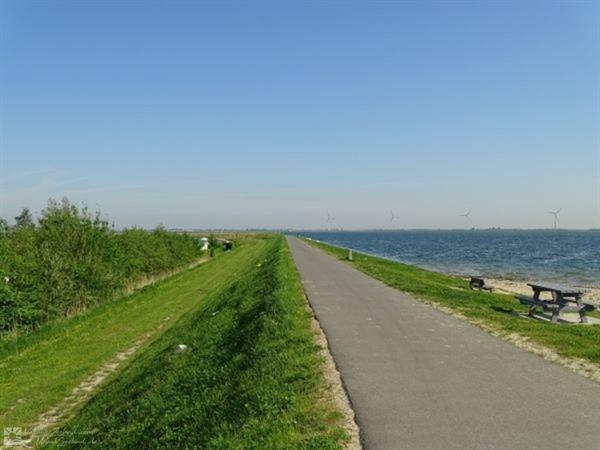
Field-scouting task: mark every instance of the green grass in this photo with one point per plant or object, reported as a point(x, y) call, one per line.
point(498, 311)
point(251, 377)
point(40, 369)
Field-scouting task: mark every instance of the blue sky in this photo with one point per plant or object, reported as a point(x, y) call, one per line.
point(270, 114)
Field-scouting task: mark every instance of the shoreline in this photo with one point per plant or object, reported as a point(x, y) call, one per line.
point(502, 284)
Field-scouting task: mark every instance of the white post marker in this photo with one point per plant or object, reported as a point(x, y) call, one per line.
point(349, 254)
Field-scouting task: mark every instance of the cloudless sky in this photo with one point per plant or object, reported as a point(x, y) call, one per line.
point(270, 114)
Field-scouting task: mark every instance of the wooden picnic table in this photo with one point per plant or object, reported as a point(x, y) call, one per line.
point(558, 291)
point(564, 298)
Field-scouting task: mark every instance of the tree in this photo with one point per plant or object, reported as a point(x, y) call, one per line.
point(24, 219)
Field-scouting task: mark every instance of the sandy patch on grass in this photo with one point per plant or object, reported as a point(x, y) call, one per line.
point(334, 387)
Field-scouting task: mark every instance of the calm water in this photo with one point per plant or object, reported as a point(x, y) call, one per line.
point(570, 257)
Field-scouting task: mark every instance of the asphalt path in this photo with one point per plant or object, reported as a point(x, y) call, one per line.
point(421, 379)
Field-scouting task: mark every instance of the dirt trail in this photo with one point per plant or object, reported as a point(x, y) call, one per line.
point(66, 408)
point(37, 431)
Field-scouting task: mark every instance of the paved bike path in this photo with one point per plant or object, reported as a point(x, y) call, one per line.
point(421, 379)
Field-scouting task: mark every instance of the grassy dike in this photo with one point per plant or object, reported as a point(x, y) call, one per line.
point(495, 311)
point(251, 376)
point(39, 370)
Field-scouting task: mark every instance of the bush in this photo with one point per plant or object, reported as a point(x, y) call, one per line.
point(72, 260)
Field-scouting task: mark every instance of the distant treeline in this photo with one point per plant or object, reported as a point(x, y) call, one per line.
point(72, 259)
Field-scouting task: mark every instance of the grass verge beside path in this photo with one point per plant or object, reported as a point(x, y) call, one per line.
point(250, 378)
point(39, 370)
point(495, 311)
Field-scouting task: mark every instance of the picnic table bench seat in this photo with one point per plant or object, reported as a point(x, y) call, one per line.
point(549, 304)
point(556, 308)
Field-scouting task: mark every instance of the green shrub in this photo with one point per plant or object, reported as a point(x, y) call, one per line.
point(72, 259)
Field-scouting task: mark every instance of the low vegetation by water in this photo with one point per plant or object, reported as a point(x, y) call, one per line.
point(497, 311)
point(250, 375)
point(71, 260)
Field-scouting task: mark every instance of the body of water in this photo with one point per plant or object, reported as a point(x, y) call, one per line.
point(563, 256)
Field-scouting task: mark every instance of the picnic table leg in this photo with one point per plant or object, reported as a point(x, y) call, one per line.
point(532, 308)
point(561, 304)
point(582, 311)
point(555, 314)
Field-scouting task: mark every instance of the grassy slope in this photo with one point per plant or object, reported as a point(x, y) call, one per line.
point(251, 377)
point(40, 369)
point(496, 310)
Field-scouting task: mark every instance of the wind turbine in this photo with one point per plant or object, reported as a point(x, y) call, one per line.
point(330, 218)
point(467, 217)
point(393, 216)
point(555, 214)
